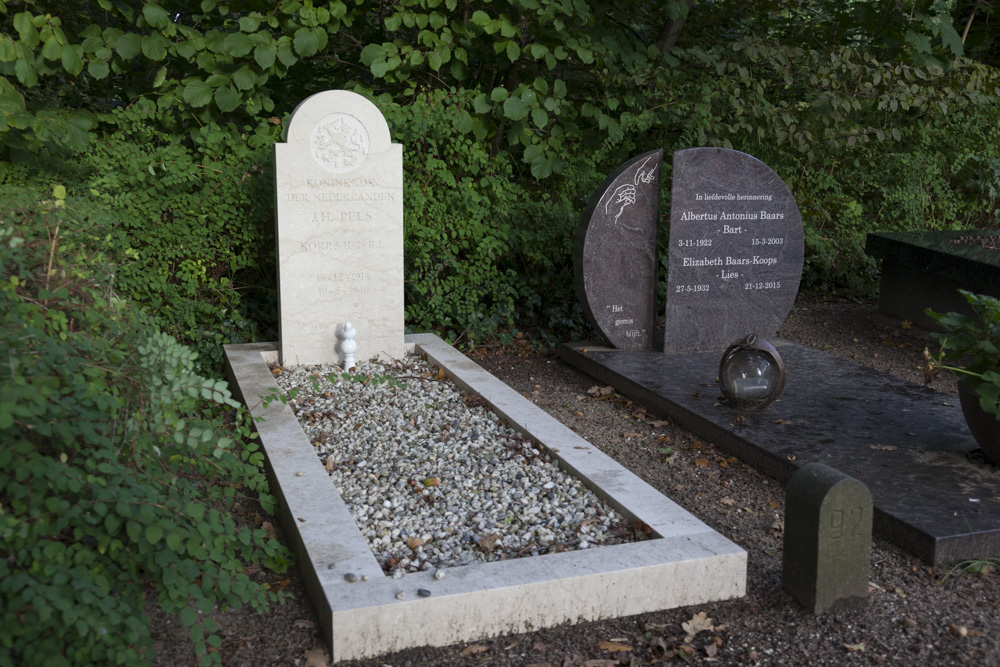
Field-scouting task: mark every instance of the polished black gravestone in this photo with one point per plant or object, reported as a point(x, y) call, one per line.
point(736, 250)
point(828, 539)
point(926, 269)
point(615, 254)
point(905, 442)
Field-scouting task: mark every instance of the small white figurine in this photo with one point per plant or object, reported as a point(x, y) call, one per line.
point(349, 346)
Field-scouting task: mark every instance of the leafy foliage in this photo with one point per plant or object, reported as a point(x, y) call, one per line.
point(120, 466)
point(974, 340)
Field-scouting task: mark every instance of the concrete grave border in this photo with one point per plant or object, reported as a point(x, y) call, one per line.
point(685, 563)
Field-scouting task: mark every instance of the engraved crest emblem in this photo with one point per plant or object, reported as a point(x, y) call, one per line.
point(339, 143)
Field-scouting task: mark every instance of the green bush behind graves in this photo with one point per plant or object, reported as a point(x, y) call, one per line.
point(875, 119)
point(120, 466)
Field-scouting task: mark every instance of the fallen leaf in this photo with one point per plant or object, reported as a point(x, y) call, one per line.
point(600, 663)
point(269, 531)
point(614, 647)
point(488, 543)
point(303, 623)
point(440, 375)
point(659, 423)
point(698, 623)
point(509, 646)
point(474, 649)
point(791, 458)
point(774, 504)
point(884, 448)
point(539, 664)
point(629, 434)
point(414, 542)
point(432, 481)
point(701, 463)
point(906, 324)
point(316, 657)
point(711, 650)
point(854, 648)
point(728, 502)
point(782, 421)
point(578, 413)
point(540, 646)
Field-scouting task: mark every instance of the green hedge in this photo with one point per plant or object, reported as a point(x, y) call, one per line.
point(120, 465)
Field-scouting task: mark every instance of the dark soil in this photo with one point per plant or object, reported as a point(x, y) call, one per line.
point(916, 615)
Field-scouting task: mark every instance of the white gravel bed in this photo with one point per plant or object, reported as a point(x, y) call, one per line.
point(432, 477)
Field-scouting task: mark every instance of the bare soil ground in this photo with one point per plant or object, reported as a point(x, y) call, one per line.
point(916, 615)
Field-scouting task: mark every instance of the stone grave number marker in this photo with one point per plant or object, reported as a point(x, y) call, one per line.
point(828, 539)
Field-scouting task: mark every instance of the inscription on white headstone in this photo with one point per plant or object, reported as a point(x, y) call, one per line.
point(339, 191)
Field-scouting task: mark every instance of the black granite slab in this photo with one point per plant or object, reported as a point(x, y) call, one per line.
point(614, 256)
point(926, 269)
point(736, 250)
point(907, 443)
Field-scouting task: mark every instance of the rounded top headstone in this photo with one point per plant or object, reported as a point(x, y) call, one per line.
point(341, 128)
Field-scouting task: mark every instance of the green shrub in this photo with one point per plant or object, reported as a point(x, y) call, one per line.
point(190, 227)
point(120, 464)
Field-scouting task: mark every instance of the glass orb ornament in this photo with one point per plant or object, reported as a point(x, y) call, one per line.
point(751, 375)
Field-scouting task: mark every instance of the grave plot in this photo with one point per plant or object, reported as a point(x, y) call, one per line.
point(369, 613)
point(735, 262)
point(926, 269)
point(432, 477)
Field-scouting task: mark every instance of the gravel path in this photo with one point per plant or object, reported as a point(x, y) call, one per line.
point(912, 617)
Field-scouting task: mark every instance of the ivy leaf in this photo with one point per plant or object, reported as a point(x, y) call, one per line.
point(197, 93)
point(155, 15)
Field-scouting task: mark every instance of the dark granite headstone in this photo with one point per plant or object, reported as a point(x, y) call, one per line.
point(828, 539)
point(615, 255)
point(736, 250)
point(926, 269)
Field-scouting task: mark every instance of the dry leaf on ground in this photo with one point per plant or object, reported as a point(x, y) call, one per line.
point(698, 623)
point(614, 647)
point(854, 648)
point(701, 463)
point(474, 649)
point(729, 502)
point(316, 658)
point(269, 531)
point(303, 623)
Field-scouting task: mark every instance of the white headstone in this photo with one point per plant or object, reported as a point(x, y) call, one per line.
point(339, 192)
